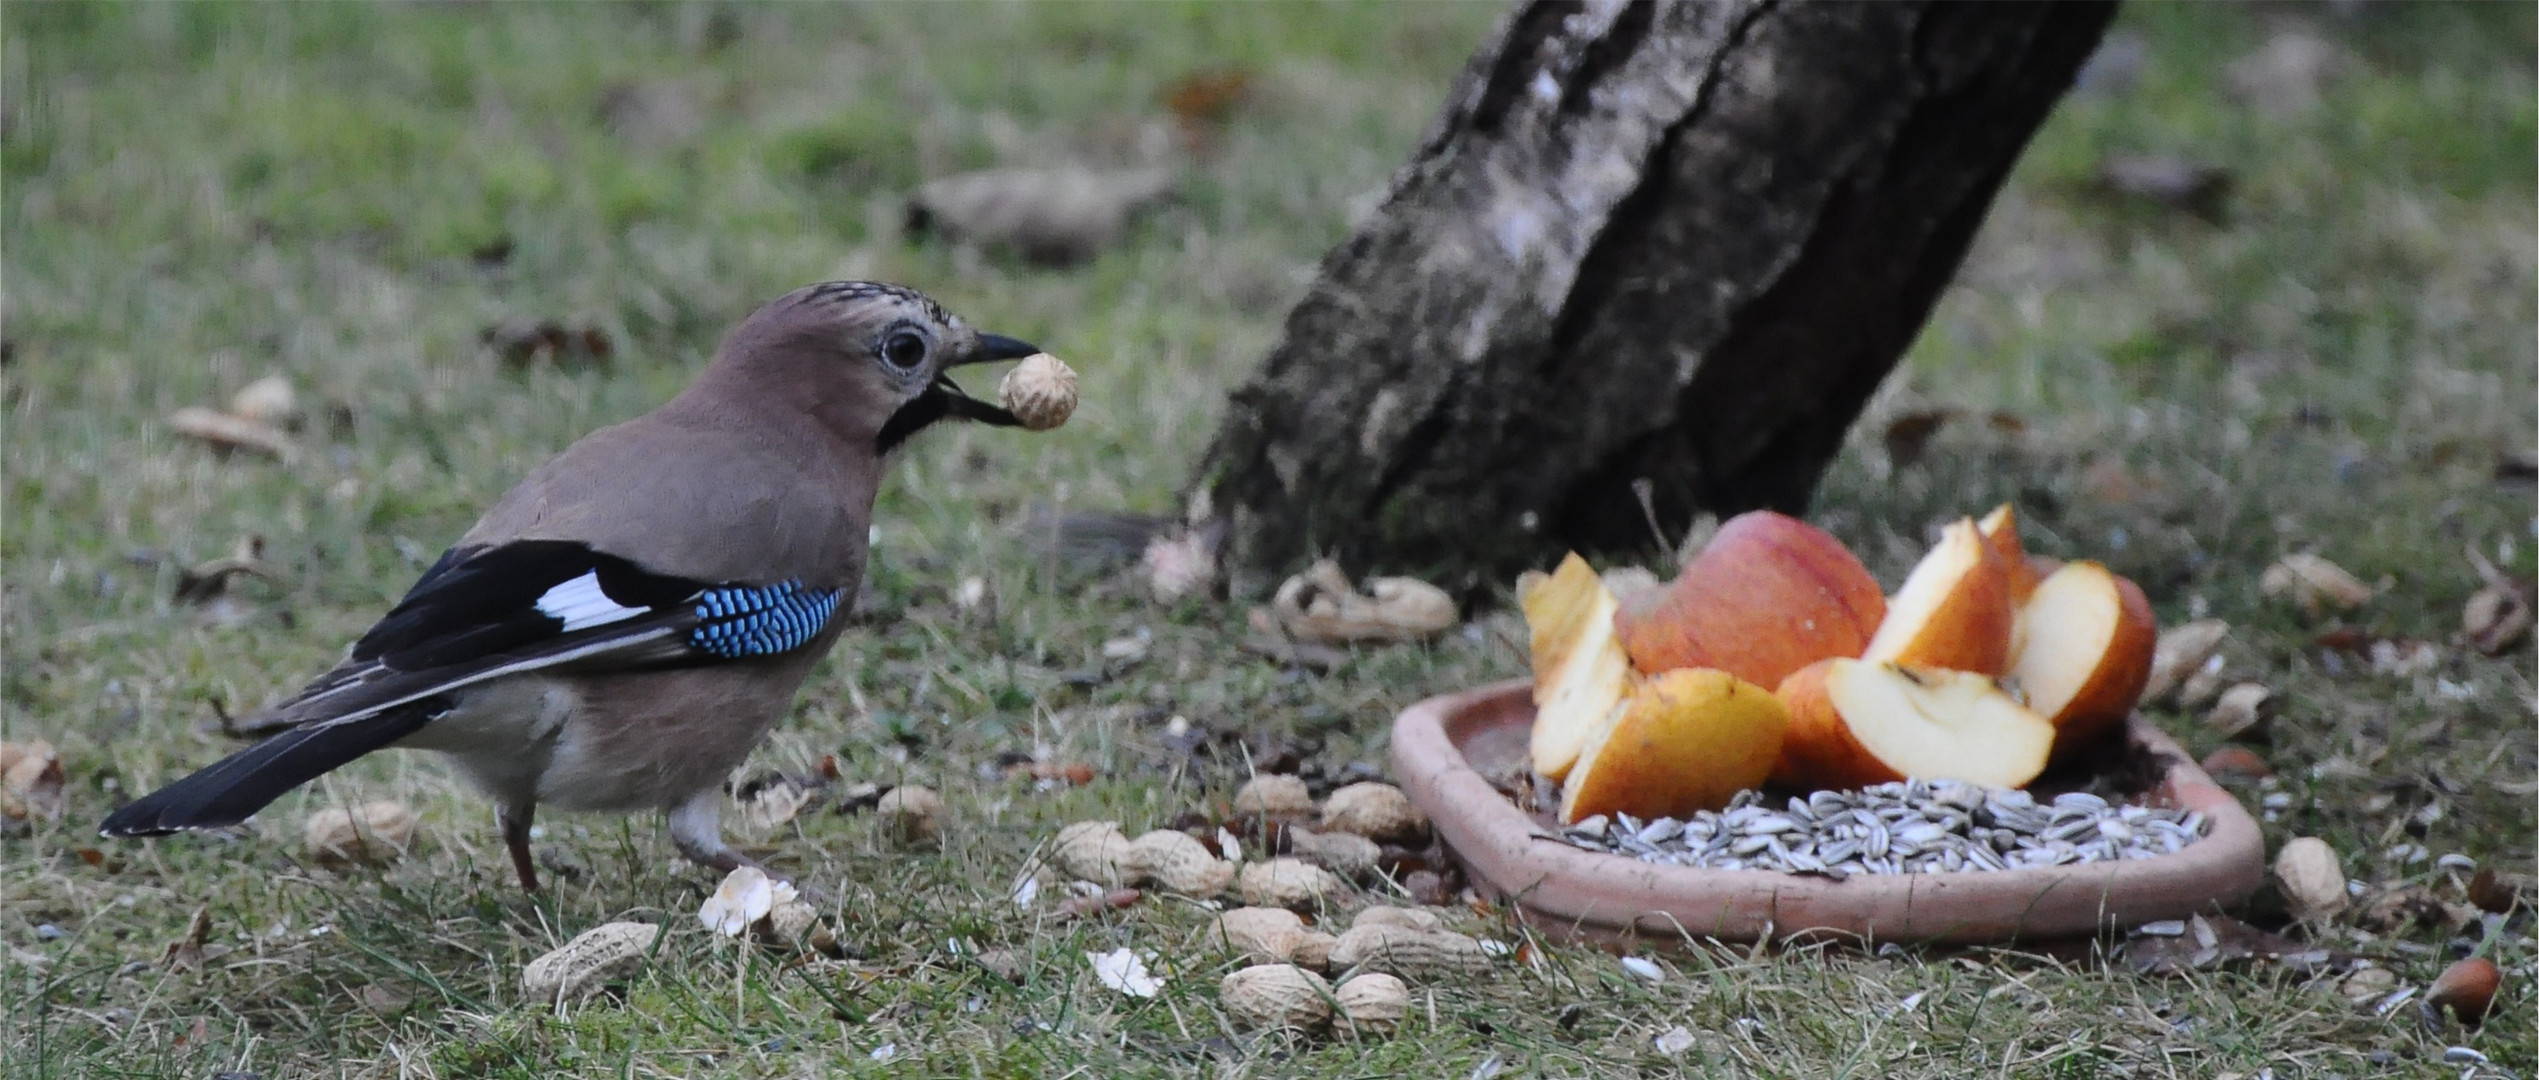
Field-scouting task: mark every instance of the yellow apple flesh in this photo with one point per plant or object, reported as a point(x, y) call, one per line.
point(1688, 740)
point(1581, 674)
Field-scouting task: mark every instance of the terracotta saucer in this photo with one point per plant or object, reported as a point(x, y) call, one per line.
point(1444, 747)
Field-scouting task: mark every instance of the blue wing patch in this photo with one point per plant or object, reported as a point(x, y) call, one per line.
point(740, 621)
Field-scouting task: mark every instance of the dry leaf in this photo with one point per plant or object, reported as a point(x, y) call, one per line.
point(30, 781)
point(2213, 941)
point(228, 433)
point(186, 953)
point(2497, 616)
point(521, 342)
point(1909, 434)
point(1206, 99)
point(204, 582)
point(2392, 910)
point(2498, 892)
point(374, 832)
point(772, 805)
point(1060, 215)
point(2313, 583)
point(1320, 605)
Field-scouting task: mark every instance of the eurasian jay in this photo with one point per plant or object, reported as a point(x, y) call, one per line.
point(625, 625)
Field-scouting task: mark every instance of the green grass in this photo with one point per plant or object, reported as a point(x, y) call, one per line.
point(198, 195)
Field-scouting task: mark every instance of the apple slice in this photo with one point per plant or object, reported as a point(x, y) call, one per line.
point(1855, 723)
point(1688, 740)
point(1769, 595)
point(2087, 636)
point(2001, 530)
point(1953, 611)
point(1581, 674)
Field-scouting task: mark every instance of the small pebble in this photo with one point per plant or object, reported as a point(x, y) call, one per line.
point(1643, 968)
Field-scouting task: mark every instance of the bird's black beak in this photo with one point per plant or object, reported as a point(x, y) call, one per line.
point(944, 400)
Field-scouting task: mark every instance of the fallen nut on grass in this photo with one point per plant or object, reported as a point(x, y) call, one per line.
point(913, 814)
point(2243, 711)
point(1091, 851)
point(1289, 883)
point(2182, 651)
point(1373, 810)
point(1276, 996)
point(1346, 854)
point(1372, 1003)
point(594, 958)
point(1322, 606)
point(2313, 583)
point(1040, 392)
point(1409, 953)
point(2312, 882)
point(1406, 918)
point(374, 832)
point(1274, 796)
point(1259, 934)
point(2466, 988)
point(1177, 861)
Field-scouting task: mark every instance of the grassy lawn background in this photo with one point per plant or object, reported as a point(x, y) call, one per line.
point(200, 195)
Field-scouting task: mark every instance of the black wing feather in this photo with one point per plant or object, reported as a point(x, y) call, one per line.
point(228, 790)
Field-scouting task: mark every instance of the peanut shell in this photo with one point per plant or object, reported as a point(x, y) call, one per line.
point(1091, 851)
point(1288, 883)
point(1412, 954)
point(1373, 810)
point(374, 832)
point(593, 959)
point(1274, 796)
point(1276, 996)
point(1372, 1003)
point(1040, 392)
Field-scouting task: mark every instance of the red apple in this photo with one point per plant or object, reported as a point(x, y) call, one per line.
point(1953, 611)
point(2087, 636)
point(1769, 595)
point(1688, 740)
point(1855, 723)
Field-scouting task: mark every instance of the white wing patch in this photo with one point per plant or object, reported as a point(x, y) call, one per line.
point(580, 604)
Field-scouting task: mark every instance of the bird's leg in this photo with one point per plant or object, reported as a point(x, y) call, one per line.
point(515, 823)
point(696, 826)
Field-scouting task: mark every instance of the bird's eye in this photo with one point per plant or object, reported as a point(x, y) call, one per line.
point(904, 350)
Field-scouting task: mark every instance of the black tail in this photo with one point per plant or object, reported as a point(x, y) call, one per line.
point(227, 791)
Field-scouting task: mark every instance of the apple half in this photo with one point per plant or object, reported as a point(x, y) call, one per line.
point(1581, 674)
point(1688, 740)
point(1953, 610)
point(1767, 596)
point(2087, 636)
point(1857, 722)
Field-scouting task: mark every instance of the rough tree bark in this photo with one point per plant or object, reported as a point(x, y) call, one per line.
point(1677, 242)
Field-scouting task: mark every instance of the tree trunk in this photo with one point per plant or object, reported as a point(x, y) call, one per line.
point(1677, 243)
